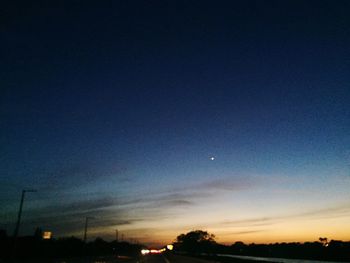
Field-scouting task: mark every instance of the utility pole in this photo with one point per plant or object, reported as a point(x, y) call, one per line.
point(18, 223)
point(86, 226)
point(20, 211)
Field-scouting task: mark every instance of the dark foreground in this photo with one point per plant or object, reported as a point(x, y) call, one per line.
point(158, 258)
point(171, 258)
point(203, 259)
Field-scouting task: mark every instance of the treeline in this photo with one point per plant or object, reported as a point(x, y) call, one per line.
point(334, 250)
point(200, 242)
point(196, 243)
point(34, 247)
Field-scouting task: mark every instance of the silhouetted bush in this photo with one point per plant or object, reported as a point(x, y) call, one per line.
point(196, 242)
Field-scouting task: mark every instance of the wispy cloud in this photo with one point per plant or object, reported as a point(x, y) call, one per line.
point(68, 217)
point(237, 183)
point(260, 221)
point(180, 202)
point(330, 212)
point(206, 188)
point(245, 232)
point(76, 173)
point(130, 209)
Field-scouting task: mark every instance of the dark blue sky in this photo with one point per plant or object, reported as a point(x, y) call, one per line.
point(104, 103)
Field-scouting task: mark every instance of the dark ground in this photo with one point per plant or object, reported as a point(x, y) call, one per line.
point(161, 258)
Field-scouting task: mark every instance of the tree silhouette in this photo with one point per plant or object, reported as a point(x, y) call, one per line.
point(324, 241)
point(196, 241)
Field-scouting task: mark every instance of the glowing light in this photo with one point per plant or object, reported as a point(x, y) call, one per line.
point(212, 158)
point(170, 247)
point(47, 235)
point(152, 251)
point(145, 251)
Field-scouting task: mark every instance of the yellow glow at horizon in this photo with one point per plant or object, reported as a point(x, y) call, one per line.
point(271, 214)
point(301, 229)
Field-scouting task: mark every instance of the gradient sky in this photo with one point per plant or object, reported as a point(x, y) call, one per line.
point(114, 109)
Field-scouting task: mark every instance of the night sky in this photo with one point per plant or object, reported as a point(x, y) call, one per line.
point(114, 110)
